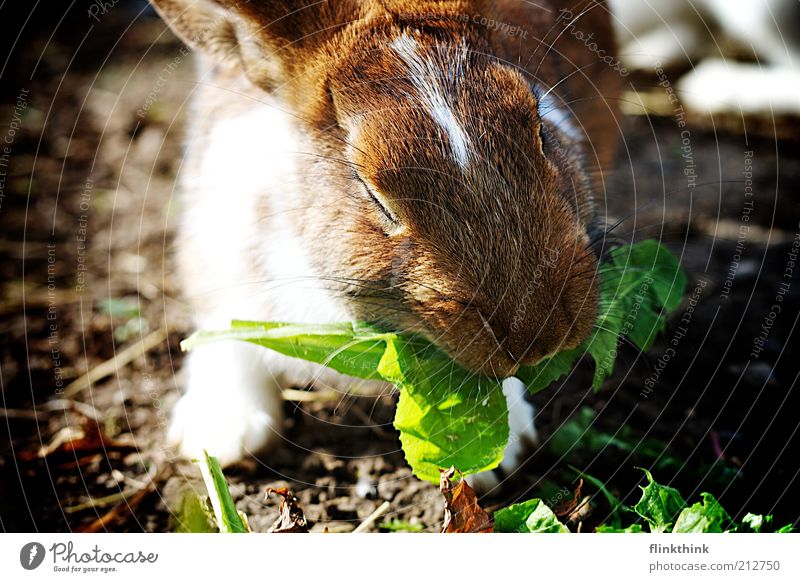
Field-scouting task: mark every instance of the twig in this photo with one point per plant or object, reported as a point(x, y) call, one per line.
point(365, 418)
point(65, 435)
point(82, 408)
point(309, 396)
point(35, 298)
point(372, 517)
point(24, 414)
point(111, 365)
point(40, 413)
point(293, 395)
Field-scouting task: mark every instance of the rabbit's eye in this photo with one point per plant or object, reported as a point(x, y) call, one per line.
point(390, 217)
point(544, 137)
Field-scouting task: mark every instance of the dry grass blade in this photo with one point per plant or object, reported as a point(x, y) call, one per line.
point(121, 359)
point(112, 515)
point(364, 525)
point(97, 502)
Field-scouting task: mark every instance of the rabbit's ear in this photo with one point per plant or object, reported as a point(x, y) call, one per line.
point(265, 38)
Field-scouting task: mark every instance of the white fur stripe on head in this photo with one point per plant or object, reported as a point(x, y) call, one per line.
point(426, 79)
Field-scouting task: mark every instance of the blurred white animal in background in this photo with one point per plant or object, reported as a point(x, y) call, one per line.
point(700, 34)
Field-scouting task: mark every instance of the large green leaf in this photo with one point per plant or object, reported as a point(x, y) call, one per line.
point(446, 415)
point(351, 349)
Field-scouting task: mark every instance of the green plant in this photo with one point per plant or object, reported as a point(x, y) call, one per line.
point(664, 510)
point(216, 512)
point(661, 509)
point(531, 516)
point(448, 416)
point(580, 433)
point(397, 525)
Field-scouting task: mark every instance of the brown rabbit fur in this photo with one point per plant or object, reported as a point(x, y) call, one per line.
point(445, 160)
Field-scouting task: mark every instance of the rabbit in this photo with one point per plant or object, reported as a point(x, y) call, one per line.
point(429, 167)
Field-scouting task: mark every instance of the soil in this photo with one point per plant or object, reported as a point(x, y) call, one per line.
point(88, 215)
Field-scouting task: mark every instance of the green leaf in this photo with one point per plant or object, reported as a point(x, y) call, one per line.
point(124, 307)
point(194, 515)
point(602, 346)
point(707, 516)
point(531, 516)
point(659, 505)
point(634, 528)
point(579, 432)
point(228, 518)
point(396, 525)
point(754, 523)
point(539, 377)
point(354, 350)
point(446, 415)
point(640, 285)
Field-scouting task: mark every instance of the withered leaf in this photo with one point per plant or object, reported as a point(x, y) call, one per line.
point(291, 519)
point(462, 512)
point(77, 441)
point(567, 506)
point(581, 512)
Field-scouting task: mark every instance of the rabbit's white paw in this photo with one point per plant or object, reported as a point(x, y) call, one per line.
point(233, 408)
point(229, 431)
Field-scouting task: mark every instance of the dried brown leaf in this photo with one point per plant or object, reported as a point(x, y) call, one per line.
point(567, 506)
point(291, 519)
point(75, 442)
point(582, 512)
point(462, 512)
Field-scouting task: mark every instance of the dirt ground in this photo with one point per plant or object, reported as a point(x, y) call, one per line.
point(86, 267)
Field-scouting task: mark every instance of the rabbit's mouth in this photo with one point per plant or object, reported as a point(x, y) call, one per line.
point(481, 353)
point(485, 346)
point(495, 329)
